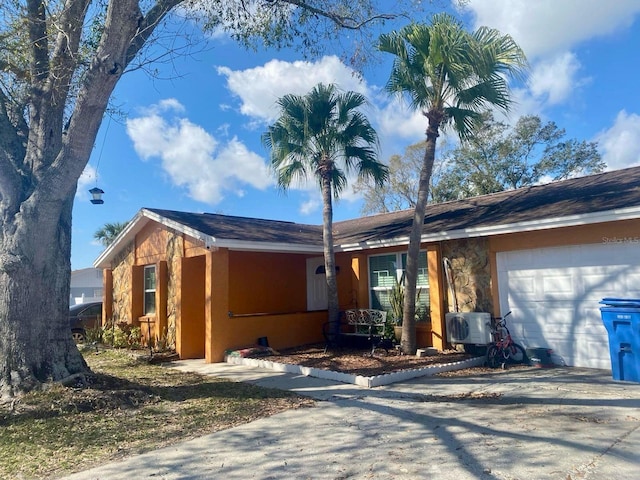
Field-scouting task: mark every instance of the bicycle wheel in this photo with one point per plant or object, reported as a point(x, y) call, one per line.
point(516, 354)
point(494, 357)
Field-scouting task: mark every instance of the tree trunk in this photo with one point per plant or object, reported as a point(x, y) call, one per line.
point(329, 257)
point(38, 181)
point(35, 338)
point(408, 343)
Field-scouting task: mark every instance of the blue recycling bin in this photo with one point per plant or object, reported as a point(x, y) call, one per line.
point(621, 318)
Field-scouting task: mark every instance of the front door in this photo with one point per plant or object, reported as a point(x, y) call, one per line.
point(316, 284)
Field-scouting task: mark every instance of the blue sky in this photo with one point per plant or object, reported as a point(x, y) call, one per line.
point(192, 142)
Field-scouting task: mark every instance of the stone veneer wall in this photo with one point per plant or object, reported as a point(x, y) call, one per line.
point(471, 274)
point(122, 287)
point(122, 284)
point(175, 251)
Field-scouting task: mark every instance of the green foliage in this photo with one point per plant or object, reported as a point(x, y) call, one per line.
point(108, 232)
point(499, 157)
point(309, 27)
point(396, 299)
point(93, 335)
point(451, 76)
point(324, 135)
point(401, 189)
point(122, 335)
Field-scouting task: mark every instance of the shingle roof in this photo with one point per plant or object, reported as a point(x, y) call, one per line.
point(585, 195)
point(244, 228)
point(575, 201)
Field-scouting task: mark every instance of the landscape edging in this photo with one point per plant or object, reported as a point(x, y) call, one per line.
point(374, 381)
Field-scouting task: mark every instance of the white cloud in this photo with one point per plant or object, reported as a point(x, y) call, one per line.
point(620, 144)
point(260, 87)
point(543, 27)
point(170, 104)
point(396, 119)
point(553, 80)
point(193, 158)
point(549, 32)
point(87, 179)
point(311, 205)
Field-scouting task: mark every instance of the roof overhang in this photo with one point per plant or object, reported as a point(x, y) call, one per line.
point(144, 216)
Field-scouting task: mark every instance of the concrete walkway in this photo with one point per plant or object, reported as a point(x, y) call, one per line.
point(561, 423)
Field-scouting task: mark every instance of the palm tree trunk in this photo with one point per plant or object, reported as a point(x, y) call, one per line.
point(408, 343)
point(329, 257)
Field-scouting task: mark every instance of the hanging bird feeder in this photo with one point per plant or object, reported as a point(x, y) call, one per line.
point(96, 193)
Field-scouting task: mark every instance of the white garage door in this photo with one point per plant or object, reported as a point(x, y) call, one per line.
point(553, 294)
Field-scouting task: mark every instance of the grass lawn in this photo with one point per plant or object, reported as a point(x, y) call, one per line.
point(129, 406)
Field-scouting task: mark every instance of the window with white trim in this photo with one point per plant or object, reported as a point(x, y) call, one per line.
point(385, 270)
point(150, 290)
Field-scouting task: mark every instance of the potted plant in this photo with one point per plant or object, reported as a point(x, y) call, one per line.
point(396, 299)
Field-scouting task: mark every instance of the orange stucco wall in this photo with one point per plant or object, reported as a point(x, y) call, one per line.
point(565, 236)
point(436, 297)
point(265, 296)
point(431, 335)
point(267, 282)
point(359, 281)
point(282, 331)
point(107, 296)
point(190, 322)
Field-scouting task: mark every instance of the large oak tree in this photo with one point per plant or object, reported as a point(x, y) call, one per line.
point(60, 61)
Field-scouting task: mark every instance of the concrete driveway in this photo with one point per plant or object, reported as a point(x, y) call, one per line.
point(561, 423)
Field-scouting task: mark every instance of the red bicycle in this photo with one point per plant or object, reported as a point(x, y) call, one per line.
point(503, 350)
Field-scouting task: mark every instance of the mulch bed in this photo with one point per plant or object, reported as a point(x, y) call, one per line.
point(360, 362)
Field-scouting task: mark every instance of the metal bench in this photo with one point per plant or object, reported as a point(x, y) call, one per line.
point(358, 323)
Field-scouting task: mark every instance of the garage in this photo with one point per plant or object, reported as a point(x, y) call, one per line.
point(553, 294)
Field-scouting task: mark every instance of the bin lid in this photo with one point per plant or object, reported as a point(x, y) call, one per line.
point(621, 302)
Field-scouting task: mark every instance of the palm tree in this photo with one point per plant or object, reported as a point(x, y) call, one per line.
point(451, 75)
point(108, 232)
point(323, 134)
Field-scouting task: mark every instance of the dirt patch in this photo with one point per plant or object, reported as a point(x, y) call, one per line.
point(361, 362)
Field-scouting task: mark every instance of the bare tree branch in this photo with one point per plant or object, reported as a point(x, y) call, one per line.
point(342, 21)
point(38, 39)
point(147, 25)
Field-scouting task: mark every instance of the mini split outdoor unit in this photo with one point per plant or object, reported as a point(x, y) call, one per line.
point(469, 327)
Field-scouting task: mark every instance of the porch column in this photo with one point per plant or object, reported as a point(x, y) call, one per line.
point(436, 296)
point(136, 306)
point(162, 287)
point(216, 303)
point(107, 296)
point(359, 272)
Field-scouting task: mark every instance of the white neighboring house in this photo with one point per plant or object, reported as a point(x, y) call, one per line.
point(86, 286)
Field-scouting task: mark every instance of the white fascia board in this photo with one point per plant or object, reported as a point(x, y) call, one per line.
point(629, 213)
point(208, 240)
point(393, 242)
point(268, 246)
